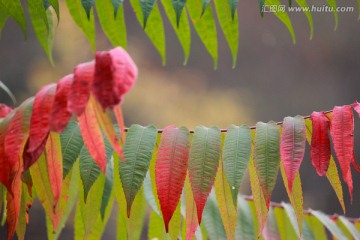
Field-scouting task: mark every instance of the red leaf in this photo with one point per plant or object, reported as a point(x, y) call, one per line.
point(292, 146)
point(80, 89)
point(320, 143)
point(14, 202)
point(170, 171)
point(40, 119)
point(5, 110)
point(356, 107)
point(60, 115)
point(342, 133)
point(115, 74)
point(54, 165)
point(91, 132)
point(18, 132)
point(30, 158)
point(4, 163)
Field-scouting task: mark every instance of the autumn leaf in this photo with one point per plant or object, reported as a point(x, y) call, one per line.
point(40, 119)
point(60, 115)
point(292, 146)
point(320, 143)
point(115, 74)
point(92, 136)
point(342, 134)
point(5, 110)
point(80, 88)
point(170, 170)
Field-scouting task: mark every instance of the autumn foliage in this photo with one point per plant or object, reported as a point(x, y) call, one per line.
point(174, 169)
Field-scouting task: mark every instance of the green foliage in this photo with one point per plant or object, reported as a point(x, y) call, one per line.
point(111, 17)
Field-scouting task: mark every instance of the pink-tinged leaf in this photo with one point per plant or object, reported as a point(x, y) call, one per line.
point(203, 164)
point(18, 132)
point(40, 119)
point(115, 74)
point(91, 132)
point(54, 165)
point(81, 87)
point(292, 146)
point(106, 124)
point(170, 171)
point(5, 110)
point(342, 133)
point(320, 151)
point(60, 115)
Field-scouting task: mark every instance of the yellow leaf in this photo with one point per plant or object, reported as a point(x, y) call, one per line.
point(228, 212)
point(296, 197)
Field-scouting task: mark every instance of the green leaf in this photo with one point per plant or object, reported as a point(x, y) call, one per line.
point(116, 4)
point(267, 156)
point(332, 4)
point(307, 232)
point(155, 27)
point(205, 4)
point(180, 26)
point(138, 150)
point(14, 9)
point(178, 6)
point(149, 195)
point(329, 224)
point(90, 210)
point(89, 169)
point(3, 18)
point(245, 222)
point(146, 8)
point(108, 187)
point(282, 16)
point(55, 5)
point(24, 208)
point(79, 16)
point(113, 27)
point(350, 227)
point(304, 5)
point(203, 164)
point(212, 219)
point(229, 25)
point(156, 226)
point(42, 23)
point(71, 145)
point(317, 228)
point(292, 217)
point(205, 27)
point(228, 211)
point(286, 228)
point(131, 228)
point(87, 5)
point(236, 155)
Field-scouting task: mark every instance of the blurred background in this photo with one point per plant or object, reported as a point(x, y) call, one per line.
point(273, 79)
